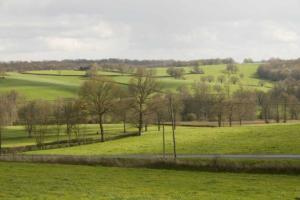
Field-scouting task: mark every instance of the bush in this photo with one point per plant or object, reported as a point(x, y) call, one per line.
point(175, 72)
point(191, 117)
point(197, 70)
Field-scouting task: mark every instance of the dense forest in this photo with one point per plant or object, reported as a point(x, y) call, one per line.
point(277, 70)
point(82, 64)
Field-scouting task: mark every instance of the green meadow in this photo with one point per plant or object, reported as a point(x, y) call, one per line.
point(252, 139)
point(50, 181)
point(51, 84)
point(14, 136)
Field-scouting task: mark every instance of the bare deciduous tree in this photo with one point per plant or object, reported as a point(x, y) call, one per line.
point(99, 95)
point(74, 112)
point(58, 115)
point(27, 116)
point(141, 87)
point(42, 119)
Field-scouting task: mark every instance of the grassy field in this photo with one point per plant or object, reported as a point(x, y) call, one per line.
point(257, 139)
point(45, 87)
point(51, 84)
point(66, 182)
point(16, 135)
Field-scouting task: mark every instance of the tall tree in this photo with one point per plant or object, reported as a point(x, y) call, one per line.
point(245, 104)
point(58, 115)
point(123, 108)
point(8, 111)
point(27, 116)
point(99, 94)
point(4, 117)
point(264, 101)
point(74, 114)
point(141, 87)
point(42, 119)
point(157, 107)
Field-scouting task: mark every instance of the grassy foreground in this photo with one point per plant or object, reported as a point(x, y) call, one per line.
point(258, 139)
point(44, 181)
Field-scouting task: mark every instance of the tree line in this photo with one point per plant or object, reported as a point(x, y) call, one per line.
point(278, 70)
point(119, 64)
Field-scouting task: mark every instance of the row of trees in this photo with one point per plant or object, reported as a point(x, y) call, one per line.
point(179, 72)
point(277, 70)
point(210, 103)
point(111, 64)
point(99, 97)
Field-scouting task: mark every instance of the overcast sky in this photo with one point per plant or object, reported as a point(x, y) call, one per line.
point(149, 29)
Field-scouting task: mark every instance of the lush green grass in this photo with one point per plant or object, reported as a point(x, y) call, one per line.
point(250, 80)
point(65, 83)
point(16, 135)
point(70, 72)
point(236, 140)
point(37, 87)
point(59, 72)
point(44, 181)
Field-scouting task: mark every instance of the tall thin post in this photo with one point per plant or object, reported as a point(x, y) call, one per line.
point(0, 141)
point(164, 142)
point(173, 126)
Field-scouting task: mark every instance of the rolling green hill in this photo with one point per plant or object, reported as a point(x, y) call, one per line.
point(51, 84)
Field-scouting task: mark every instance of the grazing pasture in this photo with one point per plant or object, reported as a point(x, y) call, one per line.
point(51, 84)
point(254, 139)
point(44, 181)
point(15, 136)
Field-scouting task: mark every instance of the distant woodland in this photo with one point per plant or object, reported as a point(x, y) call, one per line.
point(278, 70)
point(83, 64)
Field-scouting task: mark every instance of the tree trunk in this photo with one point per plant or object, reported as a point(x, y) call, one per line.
point(29, 131)
point(164, 142)
point(101, 127)
point(284, 113)
point(124, 123)
point(277, 113)
point(140, 120)
point(124, 126)
point(0, 140)
point(174, 120)
point(146, 127)
point(69, 133)
point(266, 115)
point(158, 124)
point(57, 132)
point(219, 119)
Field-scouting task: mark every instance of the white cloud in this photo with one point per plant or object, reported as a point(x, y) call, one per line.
point(285, 35)
point(103, 30)
point(282, 33)
point(64, 44)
